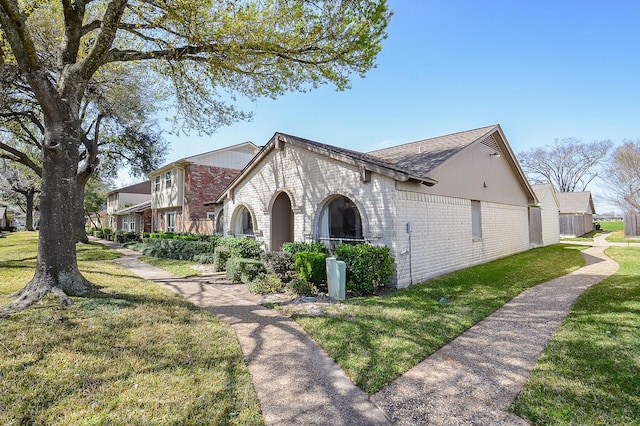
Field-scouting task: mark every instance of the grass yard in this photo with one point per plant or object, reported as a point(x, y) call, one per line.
point(589, 373)
point(135, 354)
point(181, 268)
point(376, 339)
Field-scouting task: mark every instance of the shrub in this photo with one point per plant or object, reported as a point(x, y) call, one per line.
point(247, 248)
point(311, 266)
point(297, 247)
point(264, 284)
point(176, 249)
point(204, 258)
point(221, 255)
point(368, 267)
point(187, 237)
point(302, 287)
point(244, 270)
point(98, 233)
point(107, 230)
point(279, 263)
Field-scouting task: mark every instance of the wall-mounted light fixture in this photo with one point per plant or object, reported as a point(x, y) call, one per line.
point(495, 155)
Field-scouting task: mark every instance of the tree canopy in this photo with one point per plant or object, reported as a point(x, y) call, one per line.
point(569, 164)
point(79, 72)
point(623, 177)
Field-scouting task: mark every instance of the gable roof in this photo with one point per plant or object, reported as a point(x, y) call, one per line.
point(408, 162)
point(542, 189)
point(194, 158)
point(138, 208)
point(138, 188)
point(423, 156)
point(576, 202)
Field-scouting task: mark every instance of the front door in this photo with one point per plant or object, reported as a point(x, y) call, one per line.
point(281, 222)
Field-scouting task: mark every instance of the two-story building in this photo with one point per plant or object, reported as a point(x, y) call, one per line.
point(180, 189)
point(126, 209)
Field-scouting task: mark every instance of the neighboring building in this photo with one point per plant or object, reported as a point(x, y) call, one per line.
point(136, 218)
point(123, 198)
point(4, 221)
point(576, 213)
point(440, 204)
point(180, 189)
point(545, 219)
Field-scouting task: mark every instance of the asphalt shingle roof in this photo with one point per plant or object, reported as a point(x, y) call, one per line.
point(574, 202)
point(421, 157)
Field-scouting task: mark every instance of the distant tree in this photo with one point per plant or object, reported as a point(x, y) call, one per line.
point(20, 186)
point(623, 177)
point(569, 164)
point(64, 56)
point(95, 199)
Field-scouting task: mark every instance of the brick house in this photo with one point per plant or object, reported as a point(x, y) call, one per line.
point(440, 204)
point(180, 189)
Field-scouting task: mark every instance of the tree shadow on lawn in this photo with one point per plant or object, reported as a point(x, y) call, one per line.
point(111, 350)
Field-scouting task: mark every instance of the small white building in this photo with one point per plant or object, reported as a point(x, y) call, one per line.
point(440, 204)
point(576, 213)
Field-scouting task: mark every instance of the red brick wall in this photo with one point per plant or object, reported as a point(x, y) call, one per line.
point(203, 184)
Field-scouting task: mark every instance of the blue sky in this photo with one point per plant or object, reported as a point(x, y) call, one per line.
point(541, 69)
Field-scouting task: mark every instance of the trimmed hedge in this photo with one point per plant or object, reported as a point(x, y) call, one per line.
point(297, 247)
point(243, 270)
point(368, 267)
point(265, 284)
point(279, 263)
point(302, 287)
point(311, 266)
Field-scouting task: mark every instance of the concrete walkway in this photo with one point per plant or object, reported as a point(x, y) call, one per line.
point(296, 381)
point(475, 378)
point(471, 381)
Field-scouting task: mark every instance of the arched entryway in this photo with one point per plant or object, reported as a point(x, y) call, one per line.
point(281, 221)
point(242, 223)
point(340, 222)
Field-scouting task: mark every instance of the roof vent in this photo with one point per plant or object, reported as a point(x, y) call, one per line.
point(490, 142)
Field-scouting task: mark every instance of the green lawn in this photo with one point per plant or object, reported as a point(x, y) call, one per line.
point(589, 373)
point(181, 268)
point(376, 339)
point(136, 354)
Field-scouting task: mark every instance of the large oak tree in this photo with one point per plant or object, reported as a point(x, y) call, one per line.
point(623, 177)
point(62, 55)
point(569, 164)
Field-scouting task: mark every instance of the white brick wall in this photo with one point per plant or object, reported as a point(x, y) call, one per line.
point(441, 240)
point(441, 236)
point(311, 180)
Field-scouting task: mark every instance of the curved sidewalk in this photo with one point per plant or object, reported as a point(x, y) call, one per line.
point(475, 378)
point(296, 381)
point(472, 380)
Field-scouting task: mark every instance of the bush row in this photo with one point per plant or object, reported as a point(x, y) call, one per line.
point(301, 267)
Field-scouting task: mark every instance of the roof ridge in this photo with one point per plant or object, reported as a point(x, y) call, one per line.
point(435, 137)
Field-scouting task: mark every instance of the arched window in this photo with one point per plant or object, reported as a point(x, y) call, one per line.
point(340, 222)
point(243, 223)
point(220, 223)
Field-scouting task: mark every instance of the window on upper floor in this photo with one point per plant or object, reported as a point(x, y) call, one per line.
point(156, 184)
point(168, 179)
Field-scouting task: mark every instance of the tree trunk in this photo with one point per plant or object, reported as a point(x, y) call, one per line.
point(29, 196)
point(57, 266)
point(80, 232)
